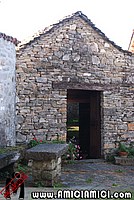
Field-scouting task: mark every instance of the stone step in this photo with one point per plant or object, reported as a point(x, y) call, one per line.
point(124, 161)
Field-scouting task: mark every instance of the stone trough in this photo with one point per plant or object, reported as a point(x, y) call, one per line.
point(46, 162)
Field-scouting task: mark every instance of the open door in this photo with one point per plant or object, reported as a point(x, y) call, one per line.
point(89, 121)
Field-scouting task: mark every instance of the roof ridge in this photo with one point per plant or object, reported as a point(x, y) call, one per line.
point(45, 30)
point(82, 16)
point(85, 18)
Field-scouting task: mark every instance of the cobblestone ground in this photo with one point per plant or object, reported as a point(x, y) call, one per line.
point(89, 175)
point(98, 174)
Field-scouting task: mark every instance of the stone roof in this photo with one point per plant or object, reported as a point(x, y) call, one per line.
point(78, 14)
point(131, 44)
point(9, 38)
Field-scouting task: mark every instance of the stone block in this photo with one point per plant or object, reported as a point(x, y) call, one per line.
point(66, 57)
point(124, 161)
point(95, 60)
point(73, 27)
point(37, 165)
point(36, 174)
point(41, 80)
point(46, 151)
point(49, 183)
point(47, 165)
point(49, 175)
point(131, 126)
point(94, 47)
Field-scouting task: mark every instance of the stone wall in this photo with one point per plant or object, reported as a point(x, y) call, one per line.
point(73, 54)
point(7, 90)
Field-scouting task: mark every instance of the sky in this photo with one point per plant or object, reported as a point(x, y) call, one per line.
point(24, 18)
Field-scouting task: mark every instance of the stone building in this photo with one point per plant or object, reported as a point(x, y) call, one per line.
point(74, 62)
point(131, 44)
point(7, 90)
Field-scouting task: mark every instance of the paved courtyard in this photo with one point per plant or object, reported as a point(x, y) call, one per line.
point(90, 175)
point(98, 174)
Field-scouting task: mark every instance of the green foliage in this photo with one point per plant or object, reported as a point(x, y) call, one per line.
point(22, 168)
point(58, 185)
point(39, 184)
point(119, 171)
point(35, 142)
point(71, 121)
point(56, 142)
point(130, 149)
point(114, 184)
point(9, 149)
point(111, 158)
point(89, 180)
point(122, 147)
point(73, 152)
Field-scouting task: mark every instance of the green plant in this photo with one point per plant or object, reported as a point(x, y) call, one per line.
point(22, 168)
point(122, 148)
point(73, 152)
point(9, 149)
point(56, 142)
point(131, 151)
point(114, 184)
point(69, 161)
point(89, 180)
point(58, 185)
point(71, 121)
point(35, 142)
point(39, 184)
point(119, 171)
point(110, 158)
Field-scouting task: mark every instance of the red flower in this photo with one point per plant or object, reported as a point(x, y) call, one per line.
point(41, 141)
point(35, 138)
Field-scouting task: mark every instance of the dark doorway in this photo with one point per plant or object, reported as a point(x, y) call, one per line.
point(88, 124)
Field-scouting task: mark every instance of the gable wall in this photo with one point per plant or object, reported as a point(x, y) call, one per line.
point(72, 56)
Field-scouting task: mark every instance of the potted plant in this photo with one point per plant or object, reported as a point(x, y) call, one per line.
point(122, 150)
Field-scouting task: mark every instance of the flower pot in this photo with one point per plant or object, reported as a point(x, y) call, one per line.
point(123, 154)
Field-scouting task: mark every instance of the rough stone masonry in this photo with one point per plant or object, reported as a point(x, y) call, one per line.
point(7, 90)
point(73, 54)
